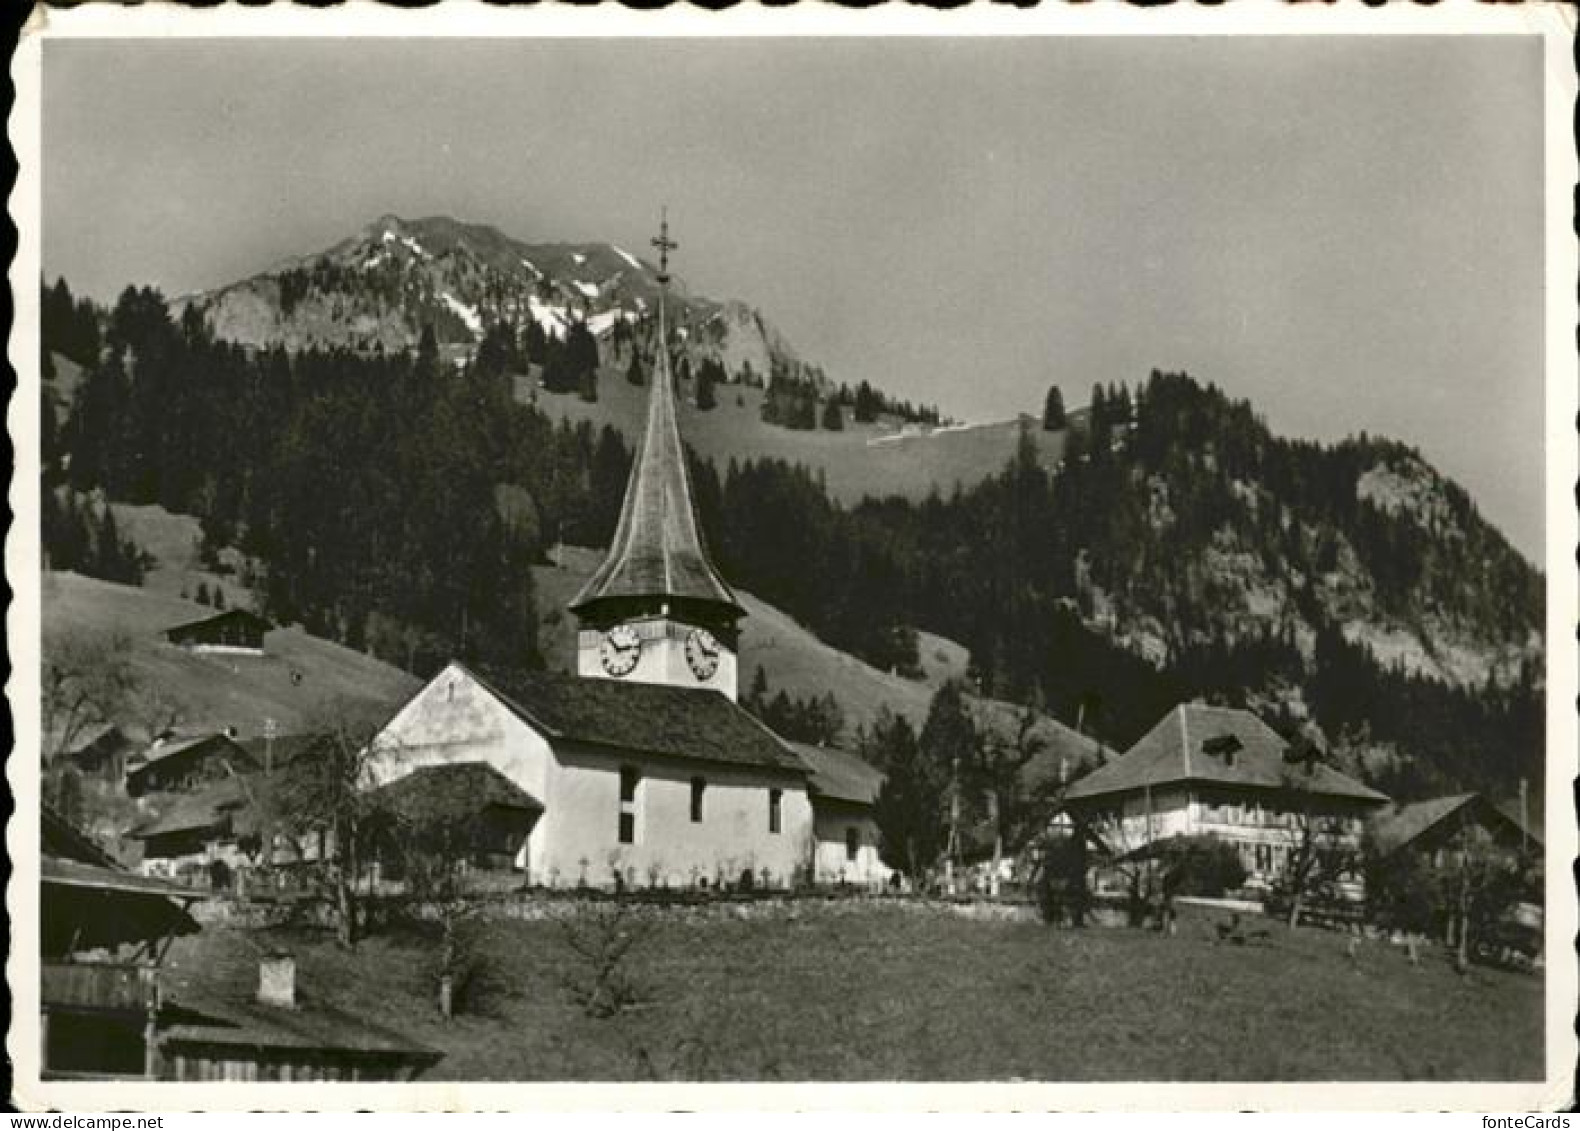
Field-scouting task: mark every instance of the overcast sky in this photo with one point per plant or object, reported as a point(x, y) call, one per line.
point(1346, 231)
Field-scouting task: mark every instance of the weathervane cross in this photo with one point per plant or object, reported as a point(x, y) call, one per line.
point(665, 245)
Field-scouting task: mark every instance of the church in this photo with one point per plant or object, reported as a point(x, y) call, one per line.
point(642, 769)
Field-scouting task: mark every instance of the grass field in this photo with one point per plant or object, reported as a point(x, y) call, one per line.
point(862, 459)
point(864, 992)
point(290, 684)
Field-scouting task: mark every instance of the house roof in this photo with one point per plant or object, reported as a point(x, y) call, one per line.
point(1222, 745)
point(657, 550)
point(153, 755)
point(202, 809)
point(75, 874)
point(207, 1017)
point(838, 775)
point(63, 840)
point(453, 792)
point(695, 724)
point(220, 617)
point(1397, 826)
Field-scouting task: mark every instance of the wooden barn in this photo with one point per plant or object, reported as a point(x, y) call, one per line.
point(232, 631)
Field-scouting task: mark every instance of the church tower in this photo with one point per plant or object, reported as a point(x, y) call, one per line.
point(657, 610)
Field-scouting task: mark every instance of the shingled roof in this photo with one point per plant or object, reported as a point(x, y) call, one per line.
point(839, 775)
point(1221, 745)
point(453, 792)
point(1401, 825)
point(657, 550)
point(692, 723)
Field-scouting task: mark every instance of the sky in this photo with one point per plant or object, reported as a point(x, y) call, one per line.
point(1346, 231)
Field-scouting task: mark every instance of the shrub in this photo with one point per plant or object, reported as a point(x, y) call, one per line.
point(1061, 888)
point(1202, 865)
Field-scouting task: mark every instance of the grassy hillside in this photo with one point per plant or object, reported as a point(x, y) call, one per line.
point(289, 684)
point(864, 459)
point(846, 991)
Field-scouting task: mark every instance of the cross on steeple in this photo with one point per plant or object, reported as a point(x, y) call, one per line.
point(665, 245)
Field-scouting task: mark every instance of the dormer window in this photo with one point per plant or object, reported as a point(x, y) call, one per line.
point(1225, 747)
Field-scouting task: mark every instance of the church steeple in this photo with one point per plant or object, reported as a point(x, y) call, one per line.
point(658, 574)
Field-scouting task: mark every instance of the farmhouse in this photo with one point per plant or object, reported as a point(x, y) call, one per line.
point(641, 768)
point(101, 752)
point(234, 631)
point(175, 764)
point(198, 838)
point(1436, 826)
point(1222, 772)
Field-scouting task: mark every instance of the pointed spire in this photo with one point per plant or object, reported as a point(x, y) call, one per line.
point(657, 553)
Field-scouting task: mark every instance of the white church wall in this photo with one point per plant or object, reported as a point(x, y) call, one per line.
point(582, 844)
point(454, 719)
point(832, 822)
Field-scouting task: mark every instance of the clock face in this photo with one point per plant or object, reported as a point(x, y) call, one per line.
point(702, 653)
point(620, 650)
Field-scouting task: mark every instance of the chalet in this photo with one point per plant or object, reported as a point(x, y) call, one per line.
point(843, 790)
point(110, 1008)
point(234, 631)
point(201, 836)
point(645, 768)
point(1436, 826)
point(176, 764)
point(1222, 772)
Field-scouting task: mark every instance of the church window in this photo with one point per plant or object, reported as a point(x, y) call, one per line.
point(698, 787)
point(630, 779)
point(775, 817)
point(852, 842)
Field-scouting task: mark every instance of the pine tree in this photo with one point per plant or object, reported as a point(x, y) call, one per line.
point(833, 416)
point(1053, 419)
point(705, 398)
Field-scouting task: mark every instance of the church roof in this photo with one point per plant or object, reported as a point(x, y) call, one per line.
point(657, 549)
point(691, 723)
point(1222, 745)
point(839, 775)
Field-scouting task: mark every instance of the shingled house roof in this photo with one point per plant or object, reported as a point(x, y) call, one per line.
point(696, 724)
point(839, 775)
point(657, 550)
point(1220, 745)
point(220, 805)
point(1396, 827)
point(454, 792)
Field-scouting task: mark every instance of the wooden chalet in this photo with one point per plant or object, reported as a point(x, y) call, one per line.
point(232, 631)
point(179, 764)
point(1434, 826)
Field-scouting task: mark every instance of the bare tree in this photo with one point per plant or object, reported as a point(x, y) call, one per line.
point(88, 682)
point(1012, 811)
point(322, 804)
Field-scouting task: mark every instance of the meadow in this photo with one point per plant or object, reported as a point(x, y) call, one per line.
point(888, 991)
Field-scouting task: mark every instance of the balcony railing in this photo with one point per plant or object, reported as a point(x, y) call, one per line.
point(100, 985)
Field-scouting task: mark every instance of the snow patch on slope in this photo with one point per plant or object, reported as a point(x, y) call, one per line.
point(465, 313)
